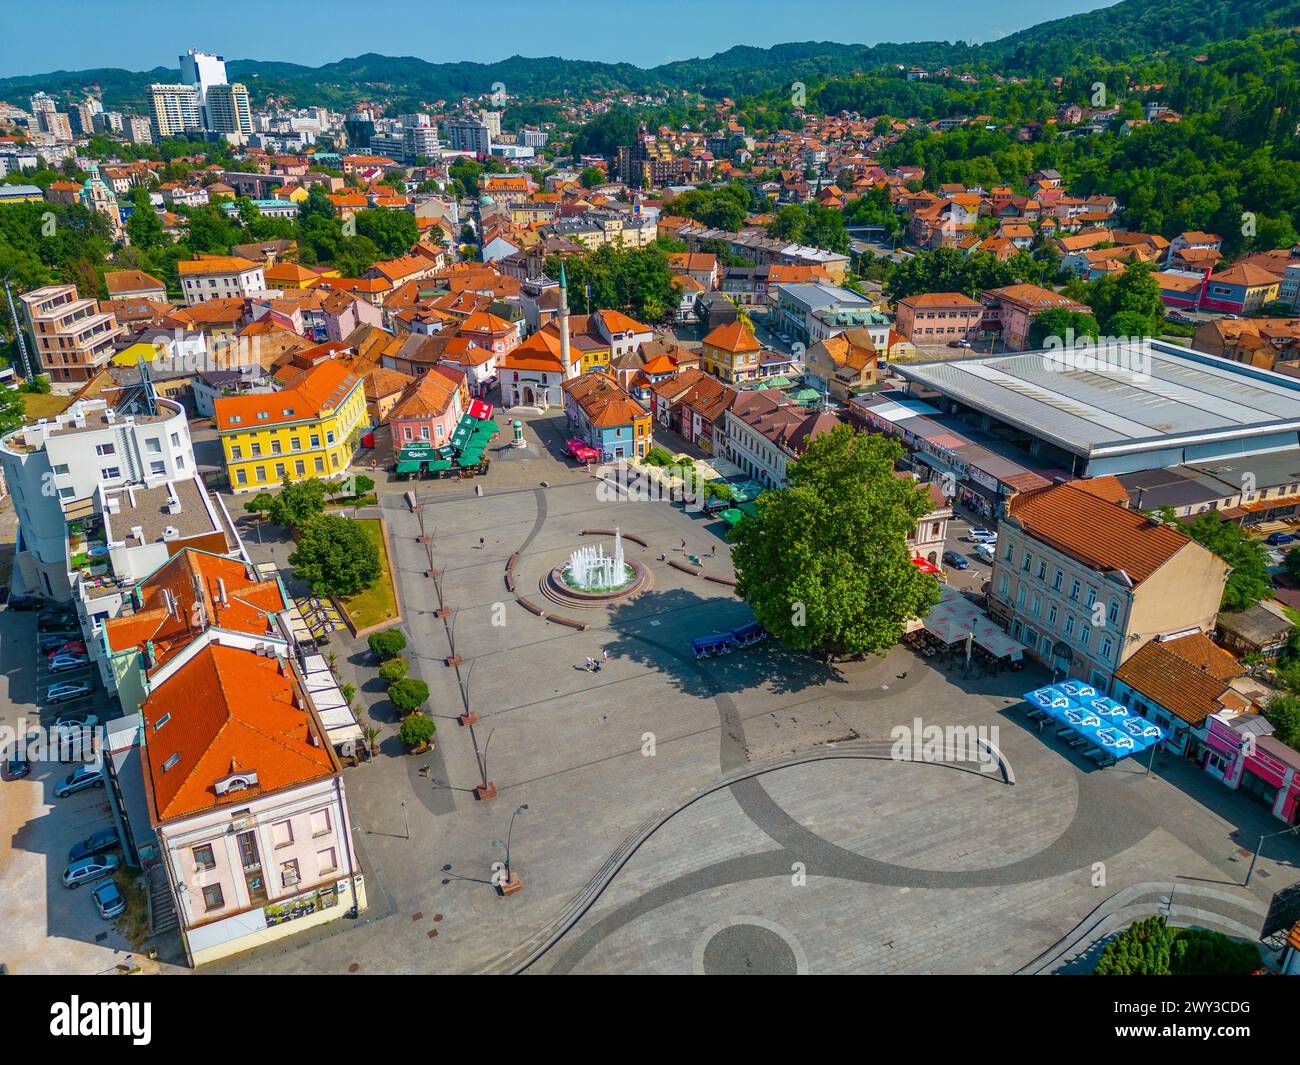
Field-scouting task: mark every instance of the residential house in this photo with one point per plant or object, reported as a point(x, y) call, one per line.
point(606, 418)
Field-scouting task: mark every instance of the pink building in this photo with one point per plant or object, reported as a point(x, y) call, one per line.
point(1243, 753)
point(430, 408)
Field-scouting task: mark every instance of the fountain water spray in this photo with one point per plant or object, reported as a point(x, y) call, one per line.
point(591, 570)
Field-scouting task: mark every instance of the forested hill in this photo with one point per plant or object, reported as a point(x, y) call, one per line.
point(1132, 27)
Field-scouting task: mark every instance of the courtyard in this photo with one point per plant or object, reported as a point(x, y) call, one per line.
point(733, 814)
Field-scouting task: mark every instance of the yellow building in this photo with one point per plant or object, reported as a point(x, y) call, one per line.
point(730, 353)
point(310, 429)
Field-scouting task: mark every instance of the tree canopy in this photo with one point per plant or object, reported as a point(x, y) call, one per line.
point(824, 564)
point(335, 556)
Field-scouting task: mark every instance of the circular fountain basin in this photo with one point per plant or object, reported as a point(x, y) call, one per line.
point(557, 587)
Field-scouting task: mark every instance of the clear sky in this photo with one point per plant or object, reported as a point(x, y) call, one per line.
point(141, 34)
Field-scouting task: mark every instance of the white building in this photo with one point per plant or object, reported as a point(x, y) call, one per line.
point(56, 469)
point(220, 277)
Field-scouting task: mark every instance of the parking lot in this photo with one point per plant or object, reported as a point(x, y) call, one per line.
point(45, 927)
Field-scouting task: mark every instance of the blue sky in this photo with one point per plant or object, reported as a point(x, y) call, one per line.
point(141, 34)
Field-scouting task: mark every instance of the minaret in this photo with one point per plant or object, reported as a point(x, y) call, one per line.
point(564, 321)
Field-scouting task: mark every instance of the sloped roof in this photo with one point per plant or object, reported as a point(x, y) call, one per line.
point(1188, 676)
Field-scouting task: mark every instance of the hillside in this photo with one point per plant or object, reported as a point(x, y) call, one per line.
point(1132, 27)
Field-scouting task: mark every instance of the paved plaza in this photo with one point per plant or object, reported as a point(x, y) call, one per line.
point(635, 859)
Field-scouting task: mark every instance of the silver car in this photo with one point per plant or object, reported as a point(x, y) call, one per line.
point(88, 869)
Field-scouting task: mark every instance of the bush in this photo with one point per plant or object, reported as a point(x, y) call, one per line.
point(349, 692)
point(1151, 948)
point(388, 643)
point(417, 729)
point(408, 693)
point(393, 670)
point(658, 456)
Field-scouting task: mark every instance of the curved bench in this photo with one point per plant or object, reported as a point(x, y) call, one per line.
point(685, 567)
point(610, 532)
point(530, 606)
point(559, 619)
point(720, 580)
point(510, 572)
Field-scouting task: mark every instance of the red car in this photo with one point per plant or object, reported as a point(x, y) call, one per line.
point(72, 647)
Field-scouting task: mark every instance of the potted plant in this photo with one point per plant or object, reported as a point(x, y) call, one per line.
point(417, 732)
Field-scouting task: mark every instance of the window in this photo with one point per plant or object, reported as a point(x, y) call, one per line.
point(1057, 578)
point(260, 473)
point(1010, 553)
point(276, 449)
point(59, 469)
point(279, 470)
point(176, 439)
point(105, 449)
point(289, 873)
point(213, 899)
point(282, 833)
point(236, 452)
point(326, 862)
point(180, 462)
point(109, 473)
point(1026, 562)
point(153, 445)
point(1051, 614)
point(315, 439)
point(1020, 596)
point(1003, 586)
point(171, 762)
point(1076, 586)
point(1035, 604)
point(1042, 570)
point(1069, 624)
point(67, 493)
point(1085, 634)
point(1091, 597)
point(320, 822)
point(300, 467)
point(1106, 647)
point(204, 858)
point(241, 476)
point(157, 467)
point(320, 464)
point(1112, 612)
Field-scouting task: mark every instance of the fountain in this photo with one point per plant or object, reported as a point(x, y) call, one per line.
point(591, 577)
point(591, 570)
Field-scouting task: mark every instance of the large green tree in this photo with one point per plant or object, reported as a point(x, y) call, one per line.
point(824, 564)
point(1249, 581)
point(335, 556)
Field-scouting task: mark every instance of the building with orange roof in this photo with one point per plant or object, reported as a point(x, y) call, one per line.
point(219, 277)
point(731, 352)
point(246, 802)
point(310, 429)
point(290, 275)
point(429, 407)
point(1240, 289)
point(607, 418)
point(1084, 581)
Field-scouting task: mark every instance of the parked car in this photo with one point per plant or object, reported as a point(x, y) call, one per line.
point(100, 842)
point(984, 552)
point(981, 535)
point(79, 720)
point(956, 561)
point(68, 689)
point(58, 622)
point(28, 602)
point(78, 873)
point(17, 765)
point(63, 663)
point(53, 643)
point(81, 778)
point(109, 900)
point(1278, 539)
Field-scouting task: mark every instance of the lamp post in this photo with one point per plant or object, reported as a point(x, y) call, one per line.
point(509, 884)
point(1259, 846)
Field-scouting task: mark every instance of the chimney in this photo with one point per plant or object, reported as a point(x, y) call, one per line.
point(138, 532)
point(221, 592)
point(171, 532)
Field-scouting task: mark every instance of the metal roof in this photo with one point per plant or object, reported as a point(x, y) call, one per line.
point(1179, 395)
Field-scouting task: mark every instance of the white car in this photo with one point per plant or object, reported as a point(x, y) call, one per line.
point(984, 552)
point(65, 690)
point(65, 662)
point(980, 535)
point(75, 722)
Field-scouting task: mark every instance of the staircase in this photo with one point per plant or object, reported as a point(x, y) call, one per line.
point(162, 907)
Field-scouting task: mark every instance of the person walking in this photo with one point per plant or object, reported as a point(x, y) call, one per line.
point(604, 656)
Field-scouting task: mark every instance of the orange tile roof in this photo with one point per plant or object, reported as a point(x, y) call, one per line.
point(229, 711)
point(322, 388)
point(193, 579)
point(1187, 676)
point(734, 336)
point(1099, 533)
point(617, 322)
point(604, 403)
point(214, 264)
point(429, 396)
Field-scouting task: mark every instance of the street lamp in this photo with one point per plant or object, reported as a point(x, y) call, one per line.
point(510, 884)
point(1258, 846)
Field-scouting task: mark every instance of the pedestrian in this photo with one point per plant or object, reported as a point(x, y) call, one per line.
point(604, 655)
point(683, 545)
point(595, 665)
point(481, 542)
point(587, 666)
point(713, 550)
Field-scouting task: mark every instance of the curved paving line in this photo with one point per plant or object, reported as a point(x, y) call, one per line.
point(526, 954)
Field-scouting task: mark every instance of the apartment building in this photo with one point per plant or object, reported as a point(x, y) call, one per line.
point(764, 433)
point(731, 353)
point(1083, 581)
point(220, 277)
point(228, 109)
point(176, 109)
point(1011, 310)
point(311, 428)
point(74, 339)
point(57, 468)
point(938, 317)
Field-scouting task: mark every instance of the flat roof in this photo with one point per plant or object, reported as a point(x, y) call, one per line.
point(1179, 397)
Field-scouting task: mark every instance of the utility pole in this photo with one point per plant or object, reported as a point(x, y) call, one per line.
point(18, 331)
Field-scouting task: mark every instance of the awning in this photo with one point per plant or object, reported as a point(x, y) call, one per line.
point(333, 710)
point(435, 465)
point(480, 410)
point(924, 566)
point(409, 467)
